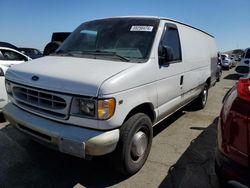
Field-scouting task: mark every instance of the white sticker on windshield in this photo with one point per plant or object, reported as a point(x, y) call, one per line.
point(142, 28)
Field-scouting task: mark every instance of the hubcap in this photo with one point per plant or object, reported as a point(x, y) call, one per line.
point(204, 97)
point(139, 144)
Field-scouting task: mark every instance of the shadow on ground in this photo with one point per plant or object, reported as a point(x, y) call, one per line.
point(25, 163)
point(232, 77)
point(195, 168)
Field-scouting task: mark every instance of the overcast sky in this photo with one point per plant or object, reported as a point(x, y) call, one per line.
point(30, 23)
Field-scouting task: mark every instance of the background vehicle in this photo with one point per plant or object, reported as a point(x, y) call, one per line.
point(226, 62)
point(218, 72)
point(8, 45)
point(31, 52)
point(234, 63)
point(244, 67)
point(232, 154)
point(109, 83)
point(3, 94)
point(9, 56)
point(56, 40)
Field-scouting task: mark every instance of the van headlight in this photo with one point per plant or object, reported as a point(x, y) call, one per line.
point(89, 108)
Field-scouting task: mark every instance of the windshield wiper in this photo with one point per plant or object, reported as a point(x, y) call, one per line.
point(106, 53)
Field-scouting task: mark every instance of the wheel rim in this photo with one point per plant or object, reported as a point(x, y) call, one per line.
point(139, 145)
point(204, 97)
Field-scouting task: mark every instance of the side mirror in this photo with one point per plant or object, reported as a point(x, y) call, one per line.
point(165, 55)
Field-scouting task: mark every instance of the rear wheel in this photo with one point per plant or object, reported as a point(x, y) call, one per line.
point(218, 79)
point(2, 119)
point(201, 101)
point(134, 144)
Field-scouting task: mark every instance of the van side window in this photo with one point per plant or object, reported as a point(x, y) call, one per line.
point(171, 40)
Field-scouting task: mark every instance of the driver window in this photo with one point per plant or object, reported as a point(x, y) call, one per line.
point(171, 40)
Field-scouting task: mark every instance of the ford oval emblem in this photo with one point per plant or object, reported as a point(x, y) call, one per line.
point(35, 78)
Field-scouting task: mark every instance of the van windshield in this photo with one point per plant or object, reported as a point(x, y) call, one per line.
point(128, 39)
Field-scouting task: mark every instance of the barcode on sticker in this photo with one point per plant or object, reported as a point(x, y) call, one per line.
point(142, 28)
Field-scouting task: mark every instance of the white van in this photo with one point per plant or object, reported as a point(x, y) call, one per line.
point(109, 83)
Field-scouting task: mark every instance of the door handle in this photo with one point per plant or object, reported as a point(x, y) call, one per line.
point(181, 80)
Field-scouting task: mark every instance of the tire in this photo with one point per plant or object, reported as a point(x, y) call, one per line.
point(51, 47)
point(201, 101)
point(218, 79)
point(2, 119)
point(134, 145)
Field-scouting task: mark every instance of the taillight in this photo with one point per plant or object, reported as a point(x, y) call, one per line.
point(243, 89)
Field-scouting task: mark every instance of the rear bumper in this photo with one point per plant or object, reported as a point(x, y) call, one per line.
point(231, 170)
point(66, 138)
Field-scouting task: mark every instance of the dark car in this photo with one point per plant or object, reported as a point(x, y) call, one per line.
point(31, 52)
point(56, 40)
point(232, 153)
point(8, 45)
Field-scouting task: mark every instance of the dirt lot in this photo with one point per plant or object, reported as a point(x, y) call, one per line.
point(182, 155)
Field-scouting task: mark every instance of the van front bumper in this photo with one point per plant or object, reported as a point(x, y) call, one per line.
point(66, 138)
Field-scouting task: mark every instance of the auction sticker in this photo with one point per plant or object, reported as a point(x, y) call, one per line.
point(141, 28)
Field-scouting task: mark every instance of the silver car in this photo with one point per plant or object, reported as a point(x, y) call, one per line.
point(226, 61)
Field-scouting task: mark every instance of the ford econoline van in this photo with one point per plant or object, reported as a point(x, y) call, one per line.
point(109, 83)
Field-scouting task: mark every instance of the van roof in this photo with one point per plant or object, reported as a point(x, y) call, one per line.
point(162, 18)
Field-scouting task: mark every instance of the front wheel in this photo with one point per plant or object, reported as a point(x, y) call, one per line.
point(134, 145)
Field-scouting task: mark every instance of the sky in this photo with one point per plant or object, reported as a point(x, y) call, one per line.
point(30, 23)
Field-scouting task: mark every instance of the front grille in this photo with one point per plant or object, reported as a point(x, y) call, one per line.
point(44, 102)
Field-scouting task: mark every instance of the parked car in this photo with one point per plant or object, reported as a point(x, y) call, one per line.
point(8, 45)
point(109, 83)
point(218, 72)
point(56, 40)
point(9, 56)
point(31, 52)
point(3, 94)
point(243, 68)
point(234, 63)
point(232, 154)
point(226, 62)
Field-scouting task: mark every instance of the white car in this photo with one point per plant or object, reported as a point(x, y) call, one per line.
point(3, 94)
point(8, 57)
point(226, 61)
